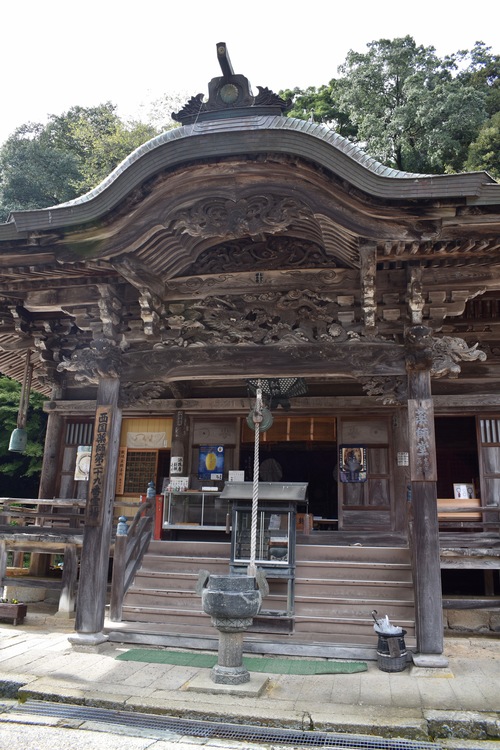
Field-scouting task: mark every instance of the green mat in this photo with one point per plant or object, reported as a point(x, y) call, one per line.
point(252, 663)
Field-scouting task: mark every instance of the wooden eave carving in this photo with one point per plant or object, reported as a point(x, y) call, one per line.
point(253, 136)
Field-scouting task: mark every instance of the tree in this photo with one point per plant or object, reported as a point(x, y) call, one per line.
point(409, 109)
point(43, 165)
point(484, 152)
point(20, 472)
point(319, 105)
point(34, 174)
point(98, 139)
point(480, 69)
point(406, 106)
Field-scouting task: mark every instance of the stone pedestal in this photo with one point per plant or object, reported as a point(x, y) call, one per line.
point(232, 601)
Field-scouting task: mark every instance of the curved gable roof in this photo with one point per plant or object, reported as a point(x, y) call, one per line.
point(253, 134)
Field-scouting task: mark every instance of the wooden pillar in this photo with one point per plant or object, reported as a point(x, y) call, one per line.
point(69, 576)
point(51, 463)
point(180, 436)
point(3, 565)
point(427, 570)
point(401, 468)
point(94, 564)
point(368, 256)
point(49, 477)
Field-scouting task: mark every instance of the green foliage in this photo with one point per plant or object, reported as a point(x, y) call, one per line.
point(484, 152)
point(20, 473)
point(409, 108)
point(403, 104)
point(480, 69)
point(45, 165)
point(158, 113)
point(319, 105)
point(32, 173)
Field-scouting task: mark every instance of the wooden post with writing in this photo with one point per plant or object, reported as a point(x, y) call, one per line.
point(179, 450)
point(423, 475)
point(91, 601)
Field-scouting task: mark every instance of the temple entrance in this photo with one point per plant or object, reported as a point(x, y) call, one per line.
point(457, 454)
point(299, 462)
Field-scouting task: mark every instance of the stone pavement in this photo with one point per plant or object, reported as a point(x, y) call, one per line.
point(38, 662)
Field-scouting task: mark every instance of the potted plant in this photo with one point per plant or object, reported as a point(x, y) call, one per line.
point(14, 610)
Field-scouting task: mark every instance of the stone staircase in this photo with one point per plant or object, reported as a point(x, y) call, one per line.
point(335, 590)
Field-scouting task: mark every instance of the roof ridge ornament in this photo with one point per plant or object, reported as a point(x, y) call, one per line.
point(230, 95)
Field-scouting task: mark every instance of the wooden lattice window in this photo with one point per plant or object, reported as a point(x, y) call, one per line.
point(294, 429)
point(490, 431)
point(140, 470)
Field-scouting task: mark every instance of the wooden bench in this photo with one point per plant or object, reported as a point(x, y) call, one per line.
point(458, 510)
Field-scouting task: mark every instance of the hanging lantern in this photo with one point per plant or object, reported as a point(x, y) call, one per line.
point(279, 391)
point(19, 438)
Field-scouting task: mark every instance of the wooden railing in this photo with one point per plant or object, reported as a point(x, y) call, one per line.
point(467, 513)
point(54, 513)
point(44, 527)
point(130, 547)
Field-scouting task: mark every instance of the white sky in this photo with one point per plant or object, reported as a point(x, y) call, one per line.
point(58, 53)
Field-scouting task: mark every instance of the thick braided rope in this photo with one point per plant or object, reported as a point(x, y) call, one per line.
point(252, 570)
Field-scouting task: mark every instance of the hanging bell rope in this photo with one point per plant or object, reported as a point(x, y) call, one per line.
point(257, 416)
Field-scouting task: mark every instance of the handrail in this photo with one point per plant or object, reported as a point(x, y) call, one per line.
point(42, 513)
point(43, 501)
point(130, 547)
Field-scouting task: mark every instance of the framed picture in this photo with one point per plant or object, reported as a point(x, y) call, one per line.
point(211, 462)
point(352, 463)
point(463, 491)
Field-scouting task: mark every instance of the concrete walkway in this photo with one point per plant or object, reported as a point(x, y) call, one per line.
point(38, 662)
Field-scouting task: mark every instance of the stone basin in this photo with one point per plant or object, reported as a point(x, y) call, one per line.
point(232, 601)
point(231, 597)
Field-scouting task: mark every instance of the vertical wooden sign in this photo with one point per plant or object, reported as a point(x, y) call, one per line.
point(120, 474)
point(98, 466)
point(422, 440)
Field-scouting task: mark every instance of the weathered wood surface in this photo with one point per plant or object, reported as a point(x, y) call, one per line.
point(67, 597)
point(424, 530)
point(426, 568)
point(50, 467)
point(14, 613)
point(469, 550)
point(338, 404)
point(422, 440)
point(48, 582)
point(57, 502)
point(129, 551)
point(469, 604)
point(94, 561)
point(16, 535)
